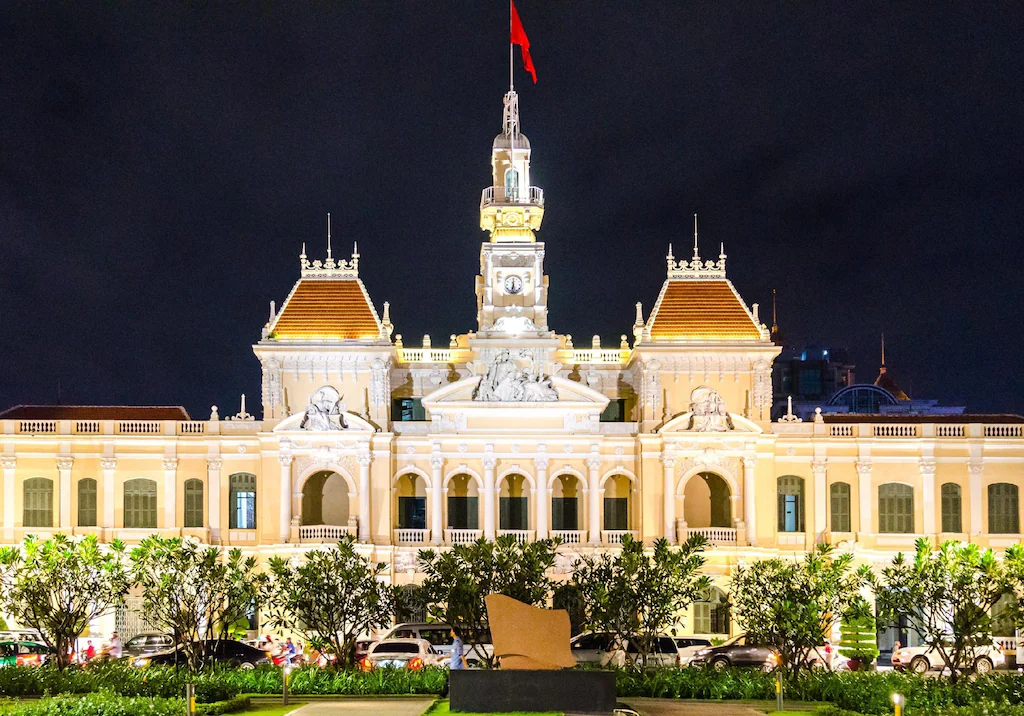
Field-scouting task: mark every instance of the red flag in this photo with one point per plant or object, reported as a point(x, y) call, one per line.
point(519, 38)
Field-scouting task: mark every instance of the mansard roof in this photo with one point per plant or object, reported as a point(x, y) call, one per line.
point(701, 309)
point(95, 412)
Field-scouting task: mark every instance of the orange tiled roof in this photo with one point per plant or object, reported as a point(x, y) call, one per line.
point(332, 309)
point(701, 310)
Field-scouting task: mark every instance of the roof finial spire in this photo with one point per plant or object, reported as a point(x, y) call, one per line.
point(328, 235)
point(696, 252)
point(883, 352)
point(775, 323)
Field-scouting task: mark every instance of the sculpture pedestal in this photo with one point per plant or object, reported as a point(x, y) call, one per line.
point(584, 692)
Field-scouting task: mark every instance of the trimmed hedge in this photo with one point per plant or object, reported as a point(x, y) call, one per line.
point(108, 704)
point(117, 678)
point(983, 709)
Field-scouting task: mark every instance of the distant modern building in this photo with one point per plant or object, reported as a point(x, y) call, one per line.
point(815, 377)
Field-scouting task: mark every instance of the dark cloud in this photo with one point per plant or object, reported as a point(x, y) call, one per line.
point(163, 163)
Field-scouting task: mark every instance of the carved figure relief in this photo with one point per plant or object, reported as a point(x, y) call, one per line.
point(506, 382)
point(325, 411)
point(708, 413)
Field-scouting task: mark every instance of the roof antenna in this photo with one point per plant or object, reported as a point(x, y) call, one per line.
point(328, 235)
point(883, 353)
point(696, 254)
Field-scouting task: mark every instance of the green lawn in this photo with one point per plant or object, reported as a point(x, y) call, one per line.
point(441, 709)
point(271, 710)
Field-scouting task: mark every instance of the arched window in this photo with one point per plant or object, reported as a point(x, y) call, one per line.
point(951, 515)
point(193, 503)
point(140, 504)
point(511, 184)
point(895, 508)
point(242, 501)
point(1003, 510)
point(839, 499)
point(711, 614)
point(791, 503)
point(37, 510)
point(87, 502)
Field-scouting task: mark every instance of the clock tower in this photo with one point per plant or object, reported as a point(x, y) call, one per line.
point(511, 290)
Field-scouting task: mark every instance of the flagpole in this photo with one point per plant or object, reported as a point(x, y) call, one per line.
point(512, 120)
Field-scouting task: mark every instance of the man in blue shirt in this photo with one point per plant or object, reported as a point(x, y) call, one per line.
point(458, 658)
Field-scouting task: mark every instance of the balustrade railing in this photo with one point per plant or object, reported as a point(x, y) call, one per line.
point(841, 431)
point(894, 431)
point(615, 536)
point(512, 195)
point(194, 427)
point(408, 535)
point(1004, 431)
point(37, 426)
point(323, 533)
point(425, 355)
point(714, 535)
point(599, 355)
point(87, 427)
point(950, 431)
point(462, 536)
point(522, 536)
point(570, 536)
point(138, 427)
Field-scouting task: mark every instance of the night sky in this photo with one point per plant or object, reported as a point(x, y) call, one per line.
point(161, 167)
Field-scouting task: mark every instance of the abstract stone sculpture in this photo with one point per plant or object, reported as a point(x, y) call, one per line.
point(527, 637)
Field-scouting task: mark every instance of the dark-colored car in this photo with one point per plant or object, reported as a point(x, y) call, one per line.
point(225, 652)
point(738, 651)
point(149, 643)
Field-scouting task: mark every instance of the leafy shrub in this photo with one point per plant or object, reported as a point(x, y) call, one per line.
point(981, 709)
point(231, 706)
point(99, 704)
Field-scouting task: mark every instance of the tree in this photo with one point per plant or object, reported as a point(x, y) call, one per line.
point(640, 595)
point(792, 605)
point(458, 580)
point(331, 597)
point(946, 596)
point(859, 633)
point(60, 585)
point(194, 593)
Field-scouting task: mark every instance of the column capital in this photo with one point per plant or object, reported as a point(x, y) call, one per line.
point(749, 462)
point(864, 467)
point(975, 468)
point(594, 462)
point(8, 462)
point(489, 462)
point(819, 466)
point(364, 459)
point(170, 464)
point(64, 462)
point(108, 463)
point(541, 462)
point(286, 459)
point(214, 463)
point(668, 460)
point(927, 467)
point(436, 462)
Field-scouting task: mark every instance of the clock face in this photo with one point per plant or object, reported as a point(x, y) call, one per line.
point(513, 284)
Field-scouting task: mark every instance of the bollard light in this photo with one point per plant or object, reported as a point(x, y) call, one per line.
point(897, 700)
point(287, 672)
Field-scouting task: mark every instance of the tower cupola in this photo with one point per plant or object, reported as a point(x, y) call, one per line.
point(511, 209)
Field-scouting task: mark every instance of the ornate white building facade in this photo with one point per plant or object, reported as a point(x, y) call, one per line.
point(512, 429)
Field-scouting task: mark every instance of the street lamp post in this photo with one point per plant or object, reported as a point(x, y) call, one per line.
point(287, 672)
point(897, 700)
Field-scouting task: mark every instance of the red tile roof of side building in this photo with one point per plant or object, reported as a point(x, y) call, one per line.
point(95, 412)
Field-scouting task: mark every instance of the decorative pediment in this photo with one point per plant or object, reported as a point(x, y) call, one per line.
point(686, 422)
point(325, 413)
point(568, 395)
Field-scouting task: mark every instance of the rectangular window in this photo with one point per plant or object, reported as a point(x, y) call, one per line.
point(840, 507)
point(462, 513)
point(412, 513)
point(193, 504)
point(87, 503)
point(407, 409)
point(702, 618)
point(951, 514)
point(616, 513)
point(615, 411)
point(243, 516)
point(790, 517)
point(564, 514)
point(512, 513)
point(810, 382)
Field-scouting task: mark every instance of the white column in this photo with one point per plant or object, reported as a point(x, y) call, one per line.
point(749, 499)
point(865, 491)
point(436, 494)
point(213, 466)
point(928, 495)
point(668, 471)
point(489, 463)
point(8, 463)
point(540, 465)
point(64, 464)
point(977, 524)
point(594, 467)
point(170, 492)
point(108, 465)
point(364, 457)
point(820, 470)
point(285, 508)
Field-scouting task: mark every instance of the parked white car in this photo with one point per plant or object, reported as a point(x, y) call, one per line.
point(439, 636)
point(600, 648)
point(410, 654)
point(688, 647)
point(921, 659)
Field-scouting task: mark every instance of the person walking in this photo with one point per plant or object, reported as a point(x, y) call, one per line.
point(115, 646)
point(457, 661)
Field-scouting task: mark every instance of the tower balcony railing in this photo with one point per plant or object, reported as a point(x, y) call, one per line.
point(511, 196)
